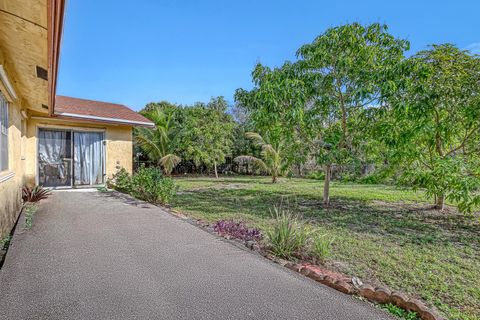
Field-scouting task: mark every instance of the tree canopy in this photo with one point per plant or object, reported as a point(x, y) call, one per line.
point(350, 100)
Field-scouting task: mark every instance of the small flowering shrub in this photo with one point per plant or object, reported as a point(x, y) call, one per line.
point(237, 229)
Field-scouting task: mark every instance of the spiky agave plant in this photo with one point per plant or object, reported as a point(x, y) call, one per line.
point(156, 142)
point(272, 161)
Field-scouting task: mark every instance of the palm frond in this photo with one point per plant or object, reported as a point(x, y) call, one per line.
point(268, 151)
point(253, 160)
point(149, 143)
point(256, 138)
point(169, 162)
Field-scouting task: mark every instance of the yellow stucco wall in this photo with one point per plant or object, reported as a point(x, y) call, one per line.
point(11, 180)
point(23, 46)
point(118, 143)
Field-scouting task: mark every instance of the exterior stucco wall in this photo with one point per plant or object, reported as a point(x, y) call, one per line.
point(119, 150)
point(118, 144)
point(12, 179)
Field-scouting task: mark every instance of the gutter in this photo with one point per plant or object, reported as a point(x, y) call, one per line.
point(55, 14)
point(87, 117)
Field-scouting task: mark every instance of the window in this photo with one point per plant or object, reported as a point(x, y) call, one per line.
point(3, 133)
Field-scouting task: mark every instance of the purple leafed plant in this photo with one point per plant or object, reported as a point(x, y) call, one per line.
point(237, 229)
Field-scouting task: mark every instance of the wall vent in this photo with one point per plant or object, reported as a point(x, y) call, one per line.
point(42, 73)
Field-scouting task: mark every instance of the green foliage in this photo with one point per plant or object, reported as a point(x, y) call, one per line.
point(321, 248)
point(275, 108)
point(432, 124)
point(122, 181)
point(316, 175)
point(288, 235)
point(274, 162)
point(5, 241)
point(147, 184)
point(206, 133)
point(400, 313)
point(347, 69)
point(158, 143)
point(102, 189)
point(29, 211)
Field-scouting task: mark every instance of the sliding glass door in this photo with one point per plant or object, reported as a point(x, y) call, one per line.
point(54, 158)
point(88, 155)
point(70, 158)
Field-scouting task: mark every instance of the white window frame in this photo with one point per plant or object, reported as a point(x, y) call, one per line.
point(3, 132)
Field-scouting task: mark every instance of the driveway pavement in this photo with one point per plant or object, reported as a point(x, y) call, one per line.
point(93, 255)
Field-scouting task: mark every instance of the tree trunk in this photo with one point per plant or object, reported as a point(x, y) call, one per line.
point(326, 185)
point(215, 167)
point(274, 179)
point(440, 202)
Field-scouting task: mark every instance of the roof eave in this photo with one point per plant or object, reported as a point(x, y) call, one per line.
point(55, 15)
point(104, 119)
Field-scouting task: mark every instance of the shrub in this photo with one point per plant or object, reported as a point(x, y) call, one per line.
point(288, 235)
point(150, 185)
point(122, 181)
point(237, 229)
point(321, 247)
point(348, 177)
point(316, 175)
point(34, 194)
point(147, 184)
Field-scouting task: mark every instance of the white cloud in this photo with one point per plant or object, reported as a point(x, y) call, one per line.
point(474, 47)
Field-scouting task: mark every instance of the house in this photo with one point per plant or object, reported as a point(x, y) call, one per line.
point(45, 139)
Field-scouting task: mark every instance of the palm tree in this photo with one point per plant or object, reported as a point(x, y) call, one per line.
point(273, 161)
point(157, 142)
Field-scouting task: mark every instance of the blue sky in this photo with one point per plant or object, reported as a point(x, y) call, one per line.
point(138, 51)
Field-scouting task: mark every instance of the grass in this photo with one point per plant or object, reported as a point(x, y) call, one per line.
point(399, 312)
point(382, 234)
point(5, 241)
point(30, 210)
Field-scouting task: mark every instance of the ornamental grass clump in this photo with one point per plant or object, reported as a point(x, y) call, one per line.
point(321, 248)
point(237, 229)
point(288, 236)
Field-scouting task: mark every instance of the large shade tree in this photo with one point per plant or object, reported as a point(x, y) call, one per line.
point(206, 133)
point(275, 108)
point(347, 68)
point(432, 123)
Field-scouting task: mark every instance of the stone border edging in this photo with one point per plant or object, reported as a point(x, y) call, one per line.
point(376, 295)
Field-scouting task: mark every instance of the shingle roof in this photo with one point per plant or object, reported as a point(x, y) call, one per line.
point(97, 110)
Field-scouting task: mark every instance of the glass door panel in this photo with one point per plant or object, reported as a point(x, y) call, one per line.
point(54, 158)
point(88, 158)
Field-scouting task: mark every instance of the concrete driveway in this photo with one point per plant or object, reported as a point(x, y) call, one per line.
point(93, 255)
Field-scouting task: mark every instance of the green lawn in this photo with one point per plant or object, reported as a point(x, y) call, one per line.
point(382, 234)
